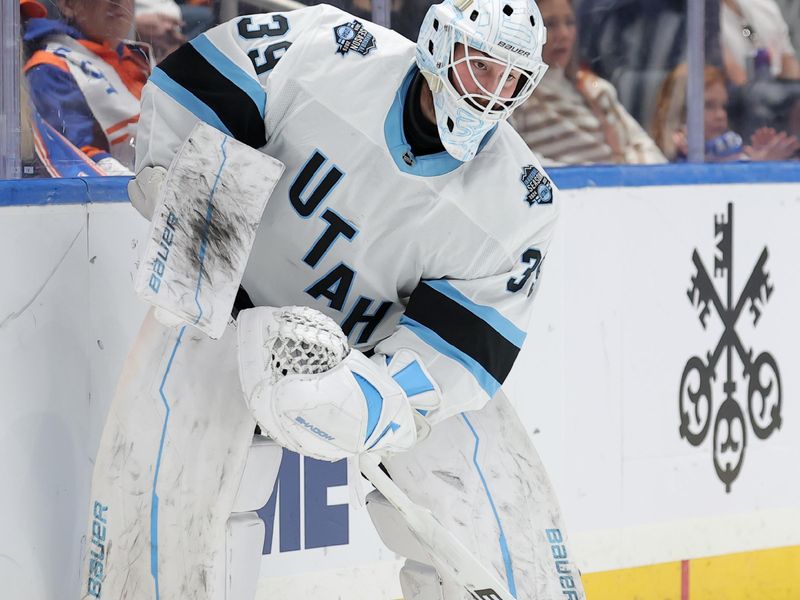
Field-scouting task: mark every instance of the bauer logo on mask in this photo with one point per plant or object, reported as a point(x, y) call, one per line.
point(539, 189)
point(353, 36)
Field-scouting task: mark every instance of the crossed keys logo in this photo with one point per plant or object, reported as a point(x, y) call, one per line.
point(760, 373)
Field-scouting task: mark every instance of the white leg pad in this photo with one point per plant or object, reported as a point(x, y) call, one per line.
point(259, 476)
point(244, 539)
point(482, 478)
point(392, 529)
point(418, 579)
point(243, 544)
point(166, 475)
point(420, 582)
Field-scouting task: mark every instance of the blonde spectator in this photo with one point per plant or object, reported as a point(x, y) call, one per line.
point(721, 144)
point(85, 81)
point(574, 116)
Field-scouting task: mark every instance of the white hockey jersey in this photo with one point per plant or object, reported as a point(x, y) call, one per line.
point(423, 253)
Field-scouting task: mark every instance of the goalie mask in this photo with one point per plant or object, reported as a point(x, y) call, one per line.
point(482, 59)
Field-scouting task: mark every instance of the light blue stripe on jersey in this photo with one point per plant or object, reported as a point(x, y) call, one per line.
point(243, 80)
point(187, 99)
point(413, 380)
point(374, 403)
point(491, 315)
point(429, 165)
point(488, 383)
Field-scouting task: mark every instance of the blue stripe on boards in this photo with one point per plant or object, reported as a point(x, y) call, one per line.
point(231, 71)
point(488, 383)
point(78, 190)
point(22, 192)
point(154, 493)
point(512, 587)
point(491, 315)
point(188, 100)
point(602, 176)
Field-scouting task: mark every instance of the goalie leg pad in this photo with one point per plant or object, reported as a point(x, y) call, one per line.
point(480, 475)
point(420, 582)
point(245, 529)
point(243, 546)
point(171, 458)
point(259, 476)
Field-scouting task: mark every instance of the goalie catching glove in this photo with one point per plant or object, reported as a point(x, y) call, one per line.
point(314, 395)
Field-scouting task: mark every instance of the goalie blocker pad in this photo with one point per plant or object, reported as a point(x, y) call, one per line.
point(203, 228)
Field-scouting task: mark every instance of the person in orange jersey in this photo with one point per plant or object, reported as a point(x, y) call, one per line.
point(85, 78)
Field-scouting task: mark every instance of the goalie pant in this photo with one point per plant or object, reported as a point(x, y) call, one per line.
point(179, 475)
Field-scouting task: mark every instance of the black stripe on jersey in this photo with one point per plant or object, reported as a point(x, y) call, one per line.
point(187, 67)
point(463, 329)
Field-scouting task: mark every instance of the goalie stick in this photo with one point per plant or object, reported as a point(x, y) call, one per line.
point(308, 342)
point(447, 553)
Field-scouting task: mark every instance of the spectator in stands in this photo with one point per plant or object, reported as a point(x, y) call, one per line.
point(753, 27)
point(31, 9)
point(160, 24)
point(28, 9)
point(574, 116)
point(166, 24)
point(760, 63)
point(790, 9)
point(721, 144)
point(405, 16)
point(86, 82)
point(198, 15)
point(634, 44)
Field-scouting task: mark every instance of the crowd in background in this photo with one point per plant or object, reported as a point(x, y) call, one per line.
point(615, 92)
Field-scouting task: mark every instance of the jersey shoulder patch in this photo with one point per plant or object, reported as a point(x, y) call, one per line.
point(353, 36)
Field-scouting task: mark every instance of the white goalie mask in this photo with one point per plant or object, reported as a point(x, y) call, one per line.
point(482, 59)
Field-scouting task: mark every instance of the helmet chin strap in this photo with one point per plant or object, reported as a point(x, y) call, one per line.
point(434, 82)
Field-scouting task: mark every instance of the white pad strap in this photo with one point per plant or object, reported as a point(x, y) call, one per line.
point(259, 476)
point(204, 226)
point(244, 540)
point(421, 582)
point(144, 190)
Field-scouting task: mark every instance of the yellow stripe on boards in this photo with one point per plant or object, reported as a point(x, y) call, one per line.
point(766, 574)
point(653, 582)
point(759, 575)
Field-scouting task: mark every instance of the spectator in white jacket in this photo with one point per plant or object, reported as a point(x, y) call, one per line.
point(166, 25)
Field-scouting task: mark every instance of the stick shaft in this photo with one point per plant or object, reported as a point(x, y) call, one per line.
point(449, 555)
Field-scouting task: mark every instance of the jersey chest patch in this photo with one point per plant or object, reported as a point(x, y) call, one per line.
point(539, 189)
point(354, 37)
